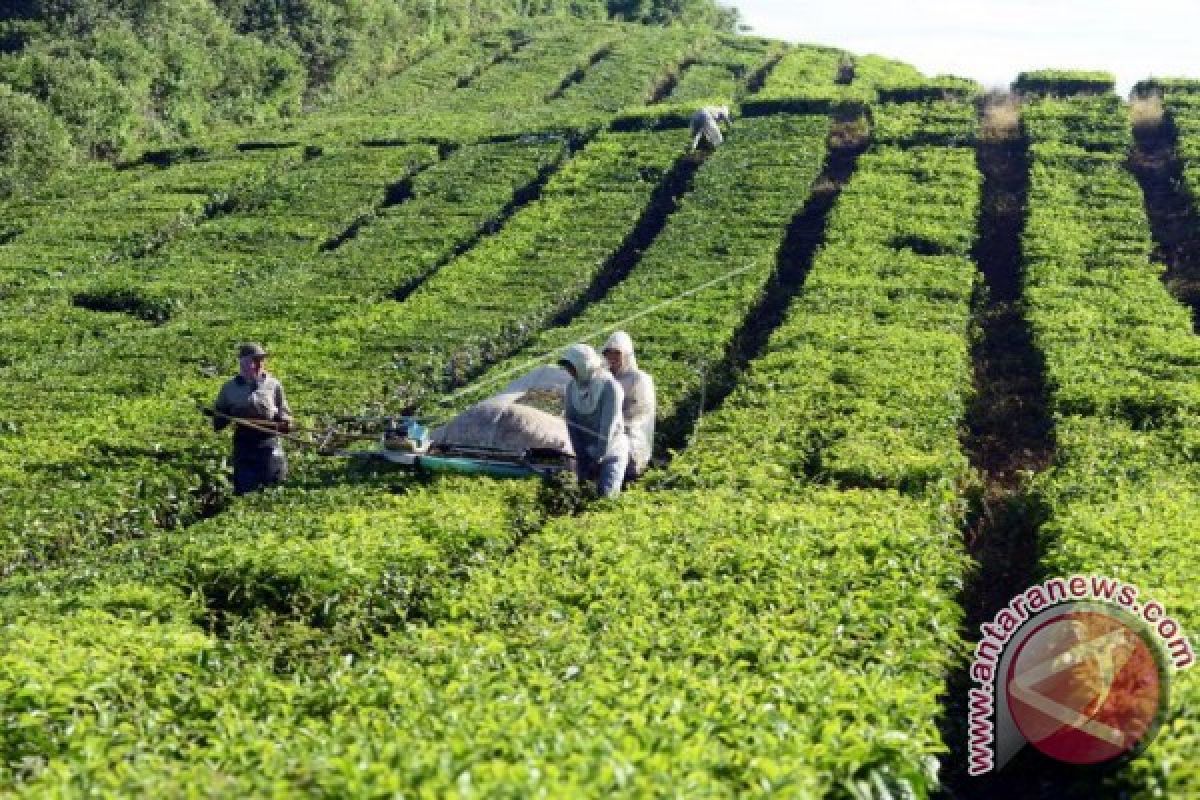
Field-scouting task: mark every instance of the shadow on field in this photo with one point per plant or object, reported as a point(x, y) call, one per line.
point(1009, 439)
point(847, 141)
point(1173, 217)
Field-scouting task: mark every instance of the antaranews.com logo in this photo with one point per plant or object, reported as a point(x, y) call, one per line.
point(1077, 667)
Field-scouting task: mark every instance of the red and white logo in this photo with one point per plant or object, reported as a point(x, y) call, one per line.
point(1086, 687)
point(1077, 667)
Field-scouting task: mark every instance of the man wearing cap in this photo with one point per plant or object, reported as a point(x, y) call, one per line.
point(254, 395)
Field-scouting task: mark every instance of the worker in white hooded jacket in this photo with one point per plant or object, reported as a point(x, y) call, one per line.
point(594, 423)
point(639, 406)
point(705, 126)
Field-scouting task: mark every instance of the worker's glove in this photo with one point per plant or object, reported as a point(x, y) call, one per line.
point(284, 425)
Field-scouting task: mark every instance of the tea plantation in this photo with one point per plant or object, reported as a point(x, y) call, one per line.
point(785, 605)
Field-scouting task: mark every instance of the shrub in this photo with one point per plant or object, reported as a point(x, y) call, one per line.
point(96, 109)
point(33, 143)
point(1064, 81)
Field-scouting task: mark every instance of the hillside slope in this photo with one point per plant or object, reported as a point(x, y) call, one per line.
point(103, 80)
point(779, 607)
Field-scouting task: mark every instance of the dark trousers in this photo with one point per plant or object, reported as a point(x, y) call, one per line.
point(256, 468)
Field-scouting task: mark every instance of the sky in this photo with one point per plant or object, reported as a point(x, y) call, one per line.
point(993, 41)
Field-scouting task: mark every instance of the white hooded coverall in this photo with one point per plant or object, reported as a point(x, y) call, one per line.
point(594, 423)
point(639, 406)
point(704, 125)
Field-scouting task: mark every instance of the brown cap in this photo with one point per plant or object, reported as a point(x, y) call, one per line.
point(251, 349)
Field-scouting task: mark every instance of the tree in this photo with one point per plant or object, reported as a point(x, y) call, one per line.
point(33, 143)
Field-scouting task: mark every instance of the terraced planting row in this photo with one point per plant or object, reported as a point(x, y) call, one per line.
point(77, 229)
point(787, 152)
point(719, 74)
point(1182, 102)
point(640, 67)
point(465, 93)
point(1098, 123)
point(564, 78)
point(1103, 289)
point(645, 645)
point(269, 234)
point(416, 546)
point(1065, 82)
point(69, 223)
point(944, 122)
point(806, 78)
point(1122, 363)
point(148, 472)
point(810, 77)
point(265, 230)
point(430, 79)
point(783, 155)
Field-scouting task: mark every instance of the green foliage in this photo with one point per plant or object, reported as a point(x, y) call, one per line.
point(929, 90)
point(563, 78)
point(803, 67)
point(1121, 365)
point(942, 122)
point(34, 145)
point(720, 74)
point(151, 306)
point(804, 81)
point(547, 254)
point(95, 108)
point(887, 300)
point(352, 559)
point(1092, 123)
point(1160, 86)
point(1064, 82)
point(1116, 342)
point(824, 79)
point(163, 69)
point(760, 177)
point(119, 75)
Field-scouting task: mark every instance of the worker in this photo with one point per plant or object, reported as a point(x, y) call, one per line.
point(593, 416)
point(638, 408)
point(256, 396)
point(845, 75)
point(705, 126)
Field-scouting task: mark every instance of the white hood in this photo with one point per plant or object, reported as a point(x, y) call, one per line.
point(622, 342)
point(639, 405)
point(589, 377)
point(584, 359)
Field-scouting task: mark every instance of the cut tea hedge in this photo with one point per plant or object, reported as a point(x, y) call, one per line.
point(1121, 366)
point(776, 608)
